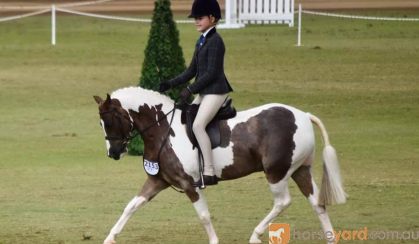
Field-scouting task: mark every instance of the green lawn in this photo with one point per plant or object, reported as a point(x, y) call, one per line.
point(56, 183)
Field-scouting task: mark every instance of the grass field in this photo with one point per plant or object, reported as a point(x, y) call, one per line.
point(56, 183)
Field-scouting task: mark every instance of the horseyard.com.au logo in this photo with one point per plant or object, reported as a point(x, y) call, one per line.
point(279, 233)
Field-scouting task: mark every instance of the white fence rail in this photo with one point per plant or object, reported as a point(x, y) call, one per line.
point(266, 12)
point(24, 15)
point(53, 9)
point(345, 16)
point(101, 16)
point(241, 12)
point(48, 6)
point(237, 13)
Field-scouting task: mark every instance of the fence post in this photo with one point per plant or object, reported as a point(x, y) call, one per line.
point(300, 10)
point(230, 16)
point(53, 25)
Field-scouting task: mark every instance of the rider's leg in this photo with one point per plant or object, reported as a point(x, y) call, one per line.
point(210, 104)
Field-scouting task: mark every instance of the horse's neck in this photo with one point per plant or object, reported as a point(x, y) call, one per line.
point(155, 141)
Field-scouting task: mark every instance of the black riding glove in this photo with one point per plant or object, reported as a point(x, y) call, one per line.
point(164, 86)
point(184, 95)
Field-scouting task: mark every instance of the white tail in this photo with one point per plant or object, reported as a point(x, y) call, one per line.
point(331, 191)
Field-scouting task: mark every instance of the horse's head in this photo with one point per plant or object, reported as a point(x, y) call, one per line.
point(116, 124)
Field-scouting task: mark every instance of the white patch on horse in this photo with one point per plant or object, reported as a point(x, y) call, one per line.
point(182, 147)
point(108, 145)
point(134, 97)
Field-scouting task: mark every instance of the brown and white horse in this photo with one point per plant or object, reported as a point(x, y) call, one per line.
point(274, 138)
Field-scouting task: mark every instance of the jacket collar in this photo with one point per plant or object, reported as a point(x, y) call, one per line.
point(208, 35)
point(210, 32)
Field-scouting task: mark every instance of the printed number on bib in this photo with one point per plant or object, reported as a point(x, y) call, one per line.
point(151, 167)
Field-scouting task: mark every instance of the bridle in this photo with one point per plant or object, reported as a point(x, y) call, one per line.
point(125, 138)
point(131, 134)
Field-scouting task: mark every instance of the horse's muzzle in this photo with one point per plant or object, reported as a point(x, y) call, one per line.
point(114, 156)
point(116, 153)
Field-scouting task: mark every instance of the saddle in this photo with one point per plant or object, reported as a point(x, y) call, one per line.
point(215, 128)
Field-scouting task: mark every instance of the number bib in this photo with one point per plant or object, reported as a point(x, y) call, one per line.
point(151, 167)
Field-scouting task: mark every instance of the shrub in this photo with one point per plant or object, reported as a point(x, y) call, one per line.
point(163, 58)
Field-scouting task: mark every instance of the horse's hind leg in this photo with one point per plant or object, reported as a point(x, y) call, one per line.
point(151, 187)
point(302, 176)
point(282, 200)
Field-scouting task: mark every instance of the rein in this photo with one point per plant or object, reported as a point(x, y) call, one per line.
point(158, 121)
point(168, 131)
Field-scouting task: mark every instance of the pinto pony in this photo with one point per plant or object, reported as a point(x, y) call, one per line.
point(274, 138)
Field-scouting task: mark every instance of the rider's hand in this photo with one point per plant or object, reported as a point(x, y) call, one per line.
point(184, 95)
point(164, 86)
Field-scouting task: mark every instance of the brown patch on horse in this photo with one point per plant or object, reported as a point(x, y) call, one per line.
point(151, 120)
point(157, 129)
point(152, 186)
point(302, 177)
point(225, 134)
point(264, 142)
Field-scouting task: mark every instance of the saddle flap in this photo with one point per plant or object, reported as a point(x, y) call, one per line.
point(189, 112)
point(227, 111)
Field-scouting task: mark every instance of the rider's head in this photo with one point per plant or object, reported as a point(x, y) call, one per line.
point(207, 13)
point(201, 8)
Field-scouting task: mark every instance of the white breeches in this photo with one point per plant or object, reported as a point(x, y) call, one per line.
point(210, 104)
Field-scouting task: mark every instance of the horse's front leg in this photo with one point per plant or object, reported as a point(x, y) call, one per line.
point(151, 187)
point(201, 207)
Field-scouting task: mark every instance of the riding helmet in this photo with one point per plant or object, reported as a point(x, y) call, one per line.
point(205, 8)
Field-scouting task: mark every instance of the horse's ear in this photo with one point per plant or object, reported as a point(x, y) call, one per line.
point(108, 98)
point(158, 107)
point(98, 99)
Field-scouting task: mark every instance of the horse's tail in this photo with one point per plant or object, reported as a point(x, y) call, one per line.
point(331, 191)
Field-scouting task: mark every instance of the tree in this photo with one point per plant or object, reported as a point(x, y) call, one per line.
point(163, 58)
point(163, 55)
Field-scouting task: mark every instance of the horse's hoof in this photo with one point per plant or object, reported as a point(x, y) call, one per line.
point(254, 239)
point(257, 241)
point(214, 241)
point(109, 242)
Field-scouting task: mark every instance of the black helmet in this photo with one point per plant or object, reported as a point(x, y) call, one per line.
point(204, 8)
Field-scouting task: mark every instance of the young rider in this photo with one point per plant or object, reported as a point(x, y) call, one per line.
point(211, 84)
